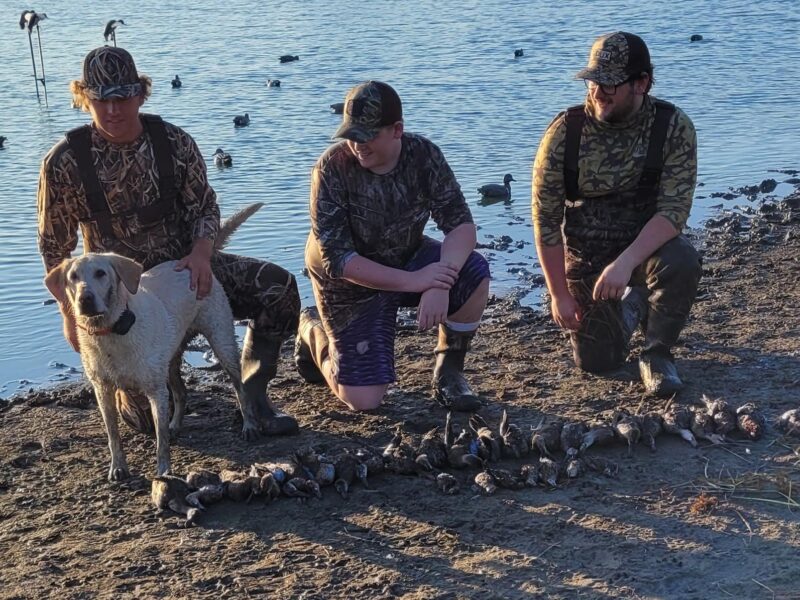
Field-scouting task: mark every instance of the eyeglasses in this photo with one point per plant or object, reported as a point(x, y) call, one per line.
point(608, 90)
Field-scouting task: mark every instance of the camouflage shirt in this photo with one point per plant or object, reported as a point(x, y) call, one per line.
point(129, 178)
point(379, 217)
point(611, 159)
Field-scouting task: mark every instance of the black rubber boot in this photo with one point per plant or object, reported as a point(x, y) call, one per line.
point(260, 355)
point(450, 389)
point(310, 346)
point(656, 366)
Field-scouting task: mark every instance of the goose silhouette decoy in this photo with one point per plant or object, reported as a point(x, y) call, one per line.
point(288, 58)
point(176, 83)
point(30, 19)
point(273, 83)
point(222, 158)
point(519, 52)
point(494, 190)
point(337, 108)
point(111, 28)
point(241, 121)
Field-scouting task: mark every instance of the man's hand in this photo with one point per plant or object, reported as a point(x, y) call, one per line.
point(566, 312)
point(70, 328)
point(199, 264)
point(438, 275)
point(612, 282)
point(432, 309)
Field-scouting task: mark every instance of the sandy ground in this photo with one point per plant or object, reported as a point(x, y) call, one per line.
point(66, 532)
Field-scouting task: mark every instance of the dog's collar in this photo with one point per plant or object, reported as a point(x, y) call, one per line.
point(120, 327)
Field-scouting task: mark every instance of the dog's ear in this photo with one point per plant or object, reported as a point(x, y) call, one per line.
point(55, 281)
point(129, 271)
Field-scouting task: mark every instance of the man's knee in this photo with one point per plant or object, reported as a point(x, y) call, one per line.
point(677, 260)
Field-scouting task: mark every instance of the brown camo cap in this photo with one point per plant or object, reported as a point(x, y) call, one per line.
point(368, 107)
point(109, 72)
point(615, 57)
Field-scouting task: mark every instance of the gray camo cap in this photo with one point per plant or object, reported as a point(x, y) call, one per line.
point(109, 72)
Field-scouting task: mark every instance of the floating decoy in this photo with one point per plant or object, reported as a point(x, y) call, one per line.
point(494, 190)
point(337, 108)
point(176, 83)
point(519, 52)
point(696, 38)
point(288, 58)
point(241, 121)
point(273, 83)
point(30, 19)
point(222, 158)
point(2, 140)
point(111, 28)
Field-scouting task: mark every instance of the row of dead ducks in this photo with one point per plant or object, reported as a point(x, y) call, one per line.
point(307, 472)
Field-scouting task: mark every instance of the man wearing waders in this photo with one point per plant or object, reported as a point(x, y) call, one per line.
point(613, 182)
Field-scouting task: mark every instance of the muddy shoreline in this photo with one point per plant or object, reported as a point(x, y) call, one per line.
point(711, 522)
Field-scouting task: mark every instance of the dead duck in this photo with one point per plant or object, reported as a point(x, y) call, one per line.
point(547, 439)
point(274, 83)
point(371, 462)
point(207, 494)
point(111, 28)
point(222, 158)
point(789, 422)
point(270, 488)
point(285, 58)
point(337, 108)
point(602, 465)
point(515, 443)
point(529, 474)
point(169, 492)
point(488, 440)
point(485, 483)
point(723, 414)
point(447, 484)
point(572, 436)
point(432, 452)
point(597, 435)
point(627, 429)
point(399, 456)
point(241, 120)
point(281, 471)
point(460, 451)
point(243, 490)
point(548, 471)
point(650, 424)
point(300, 487)
point(751, 421)
point(703, 427)
point(573, 465)
point(494, 190)
point(176, 82)
point(346, 465)
point(506, 479)
point(678, 421)
point(203, 477)
point(311, 465)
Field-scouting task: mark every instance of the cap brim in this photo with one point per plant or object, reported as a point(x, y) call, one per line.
point(602, 76)
point(356, 133)
point(107, 92)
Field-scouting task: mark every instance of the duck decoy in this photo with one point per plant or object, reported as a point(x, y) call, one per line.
point(111, 29)
point(285, 58)
point(494, 190)
point(31, 19)
point(519, 52)
point(273, 83)
point(222, 158)
point(750, 421)
point(2, 140)
point(515, 443)
point(241, 121)
point(696, 37)
point(337, 108)
point(176, 83)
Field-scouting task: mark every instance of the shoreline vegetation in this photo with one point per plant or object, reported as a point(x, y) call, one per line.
point(715, 521)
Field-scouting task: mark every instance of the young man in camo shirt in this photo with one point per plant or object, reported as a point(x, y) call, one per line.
point(613, 182)
point(136, 185)
point(371, 196)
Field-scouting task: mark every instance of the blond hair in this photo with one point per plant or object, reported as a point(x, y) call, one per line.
point(81, 100)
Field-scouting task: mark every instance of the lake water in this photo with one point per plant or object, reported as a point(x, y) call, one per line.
point(451, 61)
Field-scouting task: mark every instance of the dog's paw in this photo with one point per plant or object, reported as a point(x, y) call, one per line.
point(250, 432)
point(118, 473)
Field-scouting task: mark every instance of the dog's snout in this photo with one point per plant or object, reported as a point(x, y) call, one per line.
point(87, 305)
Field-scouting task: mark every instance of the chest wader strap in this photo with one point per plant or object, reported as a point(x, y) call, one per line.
point(80, 141)
point(162, 153)
point(575, 118)
point(654, 163)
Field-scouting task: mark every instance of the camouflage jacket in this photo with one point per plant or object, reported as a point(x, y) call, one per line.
point(611, 160)
point(129, 178)
point(379, 217)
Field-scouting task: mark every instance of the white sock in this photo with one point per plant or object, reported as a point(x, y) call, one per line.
point(462, 327)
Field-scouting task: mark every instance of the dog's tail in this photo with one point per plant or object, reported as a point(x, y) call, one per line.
point(232, 223)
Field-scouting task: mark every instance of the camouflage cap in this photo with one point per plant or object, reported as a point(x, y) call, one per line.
point(109, 72)
point(368, 107)
point(615, 57)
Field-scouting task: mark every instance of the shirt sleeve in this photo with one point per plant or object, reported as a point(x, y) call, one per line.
point(57, 214)
point(679, 177)
point(329, 220)
point(449, 208)
point(201, 211)
point(548, 192)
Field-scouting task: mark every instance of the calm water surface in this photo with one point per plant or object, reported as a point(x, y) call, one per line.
point(452, 63)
